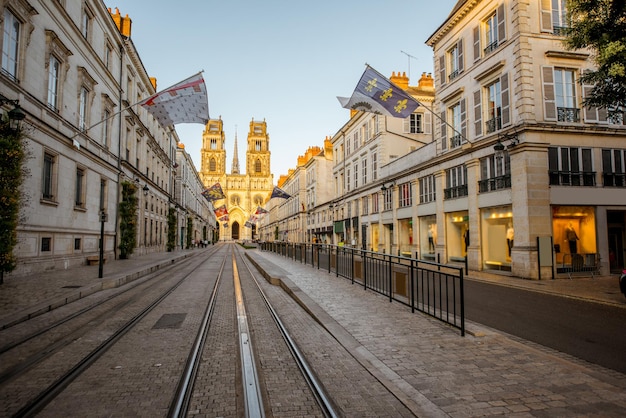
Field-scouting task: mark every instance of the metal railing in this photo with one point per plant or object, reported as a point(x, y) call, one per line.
point(428, 287)
point(580, 264)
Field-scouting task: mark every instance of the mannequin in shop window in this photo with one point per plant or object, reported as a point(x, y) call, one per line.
point(432, 234)
point(510, 236)
point(571, 238)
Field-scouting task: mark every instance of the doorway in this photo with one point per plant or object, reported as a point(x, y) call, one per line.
point(235, 231)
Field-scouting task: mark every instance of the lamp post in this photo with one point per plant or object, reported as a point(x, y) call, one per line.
point(103, 218)
point(16, 115)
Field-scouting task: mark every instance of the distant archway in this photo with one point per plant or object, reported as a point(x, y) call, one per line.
point(235, 230)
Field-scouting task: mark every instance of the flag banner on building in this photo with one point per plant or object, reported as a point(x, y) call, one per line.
point(260, 211)
point(224, 218)
point(279, 193)
point(185, 102)
point(221, 211)
point(376, 94)
point(252, 219)
point(247, 224)
point(213, 193)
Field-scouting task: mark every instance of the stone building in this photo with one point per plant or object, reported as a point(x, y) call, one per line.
point(77, 75)
point(244, 192)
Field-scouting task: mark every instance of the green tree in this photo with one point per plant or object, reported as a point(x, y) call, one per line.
point(128, 219)
point(11, 176)
point(600, 26)
point(171, 229)
point(189, 231)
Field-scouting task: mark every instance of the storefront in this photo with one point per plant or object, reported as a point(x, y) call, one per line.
point(457, 235)
point(497, 237)
point(573, 232)
point(374, 236)
point(405, 237)
point(428, 237)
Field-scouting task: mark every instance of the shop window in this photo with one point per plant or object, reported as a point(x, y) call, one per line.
point(457, 235)
point(428, 237)
point(574, 232)
point(498, 237)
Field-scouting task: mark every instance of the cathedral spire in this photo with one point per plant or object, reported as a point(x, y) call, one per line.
point(235, 168)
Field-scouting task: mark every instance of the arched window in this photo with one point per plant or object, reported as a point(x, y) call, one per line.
point(257, 166)
point(212, 164)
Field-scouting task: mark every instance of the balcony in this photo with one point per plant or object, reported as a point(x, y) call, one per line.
point(568, 114)
point(455, 141)
point(559, 30)
point(494, 124)
point(494, 183)
point(454, 74)
point(491, 47)
point(572, 178)
point(614, 179)
point(454, 192)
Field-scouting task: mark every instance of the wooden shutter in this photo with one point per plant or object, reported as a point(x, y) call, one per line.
point(590, 113)
point(549, 101)
point(444, 139)
point(459, 47)
point(427, 123)
point(478, 123)
point(463, 120)
point(505, 93)
point(546, 16)
point(442, 69)
point(476, 43)
point(501, 24)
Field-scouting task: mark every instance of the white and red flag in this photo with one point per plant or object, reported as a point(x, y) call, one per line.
point(185, 102)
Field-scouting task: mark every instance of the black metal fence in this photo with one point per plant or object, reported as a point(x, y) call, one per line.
point(432, 288)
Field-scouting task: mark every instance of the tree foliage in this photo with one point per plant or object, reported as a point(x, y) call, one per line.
point(128, 219)
point(189, 232)
point(11, 176)
point(600, 26)
point(171, 229)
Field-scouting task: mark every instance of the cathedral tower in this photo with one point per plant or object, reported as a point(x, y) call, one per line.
point(258, 154)
point(213, 152)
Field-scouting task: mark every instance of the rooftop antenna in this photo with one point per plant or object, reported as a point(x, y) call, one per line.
point(409, 56)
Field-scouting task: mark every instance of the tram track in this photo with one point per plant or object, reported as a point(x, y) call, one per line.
point(52, 379)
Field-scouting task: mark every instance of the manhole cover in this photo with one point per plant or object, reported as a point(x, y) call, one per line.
point(170, 321)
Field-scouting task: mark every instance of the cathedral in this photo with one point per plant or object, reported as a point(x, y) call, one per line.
point(244, 192)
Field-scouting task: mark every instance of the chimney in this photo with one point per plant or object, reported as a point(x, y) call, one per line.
point(123, 23)
point(401, 81)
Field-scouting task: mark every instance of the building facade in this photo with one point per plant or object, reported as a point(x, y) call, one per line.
point(77, 75)
point(244, 192)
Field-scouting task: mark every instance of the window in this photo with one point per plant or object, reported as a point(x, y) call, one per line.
point(494, 107)
point(257, 166)
point(79, 197)
point(365, 205)
point(53, 82)
point(570, 166)
point(559, 16)
point(374, 202)
point(48, 178)
point(455, 60)
point(457, 116)
point(257, 146)
point(348, 177)
point(85, 24)
point(213, 144)
point(565, 95)
point(106, 124)
point(413, 124)
point(356, 174)
point(490, 34)
point(82, 109)
point(456, 182)
point(10, 43)
point(374, 166)
point(366, 131)
point(108, 54)
point(76, 243)
point(364, 170)
point(405, 195)
point(387, 199)
point(613, 167)
point(46, 244)
point(495, 173)
point(427, 189)
point(212, 164)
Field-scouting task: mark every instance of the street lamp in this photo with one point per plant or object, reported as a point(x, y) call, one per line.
point(16, 115)
point(145, 190)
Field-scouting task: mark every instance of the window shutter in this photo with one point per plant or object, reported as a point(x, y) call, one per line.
point(406, 125)
point(476, 43)
point(459, 46)
point(546, 16)
point(478, 125)
point(442, 69)
point(427, 123)
point(549, 101)
point(501, 24)
point(506, 108)
point(444, 139)
point(590, 112)
point(463, 120)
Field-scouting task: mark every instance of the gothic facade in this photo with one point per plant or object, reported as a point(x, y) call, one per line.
point(245, 192)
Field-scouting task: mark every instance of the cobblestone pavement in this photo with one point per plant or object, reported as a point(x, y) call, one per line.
point(426, 364)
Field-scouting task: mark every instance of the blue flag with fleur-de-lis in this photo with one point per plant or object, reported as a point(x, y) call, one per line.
point(376, 94)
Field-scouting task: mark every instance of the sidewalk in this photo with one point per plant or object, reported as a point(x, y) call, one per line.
point(22, 297)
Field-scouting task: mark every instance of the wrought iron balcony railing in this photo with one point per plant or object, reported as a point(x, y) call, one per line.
point(572, 178)
point(568, 114)
point(494, 124)
point(454, 192)
point(494, 183)
point(614, 179)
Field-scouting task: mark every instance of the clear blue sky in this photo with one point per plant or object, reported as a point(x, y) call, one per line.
point(284, 61)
